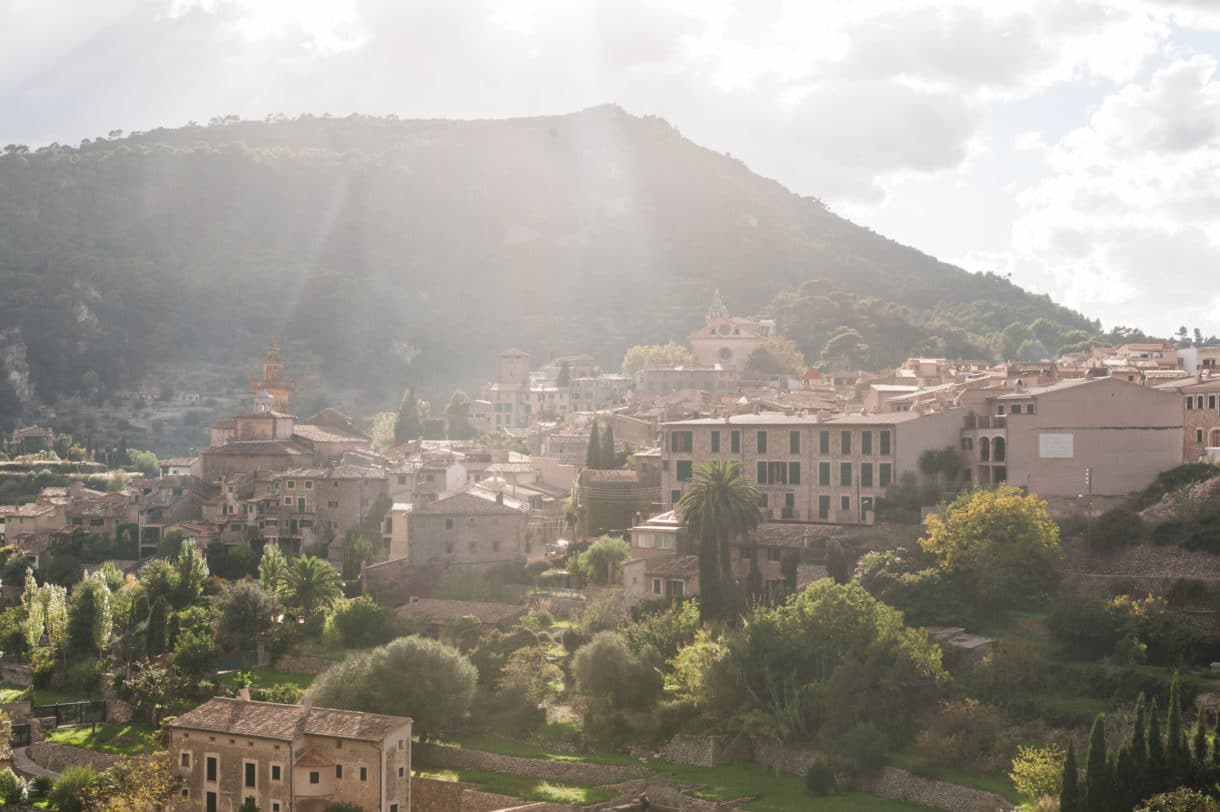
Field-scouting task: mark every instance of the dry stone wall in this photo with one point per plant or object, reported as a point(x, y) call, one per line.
point(902, 786)
point(55, 757)
point(433, 795)
point(303, 664)
point(454, 758)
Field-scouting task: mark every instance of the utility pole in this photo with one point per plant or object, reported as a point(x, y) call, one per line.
point(1088, 519)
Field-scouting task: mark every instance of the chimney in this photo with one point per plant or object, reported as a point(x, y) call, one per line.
point(243, 694)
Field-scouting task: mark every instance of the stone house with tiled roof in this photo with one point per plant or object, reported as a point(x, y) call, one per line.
point(290, 758)
point(471, 527)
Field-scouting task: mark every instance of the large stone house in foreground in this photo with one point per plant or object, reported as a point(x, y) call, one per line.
point(290, 758)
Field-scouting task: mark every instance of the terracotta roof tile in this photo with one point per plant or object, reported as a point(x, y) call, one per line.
point(270, 720)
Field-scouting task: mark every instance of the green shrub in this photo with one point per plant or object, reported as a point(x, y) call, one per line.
point(42, 785)
point(1172, 480)
point(285, 693)
point(820, 780)
point(1116, 529)
point(14, 791)
point(863, 748)
point(70, 787)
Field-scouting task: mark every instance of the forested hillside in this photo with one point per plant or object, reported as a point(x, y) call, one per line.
point(412, 251)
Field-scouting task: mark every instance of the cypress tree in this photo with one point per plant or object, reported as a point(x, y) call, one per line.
point(408, 426)
point(1098, 779)
point(1126, 780)
point(82, 614)
point(1069, 791)
point(1139, 735)
point(608, 454)
point(1155, 776)
point(1216, 740)
point(156, 636)
point(1176, 750)
point(565, 375)
point(593, 455)
point(1199, 743)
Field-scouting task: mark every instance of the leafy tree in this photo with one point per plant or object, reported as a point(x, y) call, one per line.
point(272, 568)
point(529, 674)
point(89, 618)
point(1198, 743)
point(593, 454)
point(1127, 779)
point(644, 356)
point(1069, 794)
point(194, 653)
point(133, 784)
point(606, 670)
point(311, 585)
point(357, 551)
point(14, 791)
point(845, 349)
point(1037, 772)
point(408, 426)
point(71, 788)
point(718, 505)
point(157, 639)
point(1098, 779)
point(245, 611)
point(666, 629)
point(6, 736)
point(1177, 752)
point(457, 412)
point(998, 547)
point(777, 356)
point(1182, 799)
point(412, 676)
point(601, 560)
point(838, 565)
point(1157, 761)
point(35, 619)
point(362, 622)
point(191, 570)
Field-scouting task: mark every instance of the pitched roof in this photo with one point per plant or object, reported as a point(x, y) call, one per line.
point(255, 448)
point(271, 720)
point(326, 434)
point(679, 566)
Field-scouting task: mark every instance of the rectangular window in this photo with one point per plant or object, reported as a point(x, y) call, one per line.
point(212, 767)
point(845, 473)
point(794, 442)
point(777, 473)
point(823, 473)
point(866, 443)
point(866, 475)
point(402, 479)
point(315, 777)
point(277, 772)
point(684, 470)
point(185, 759)
point(774, 554)
point(824, 507)
point(250, 768)
point(885, 443)
point(1190, 403)
point(762, 442)
point(338, 771)
point(845, 442)
point(1198, 435)
point(824, 442)
point(735, 442)
point(292, 483)
point(681, 441)
point(1016, 408)
point(885, 473)
point(472, 546)
point(287, 501)
point(845, 503)
point(715, 442)
point(677, 588)
point(309, 484)
point(209, 804)
point(762, 473)
point(448, 524)
point(1000, 410)
point(794, 473)
point(1199, 402)
point(1211, 401)
point(276, 807)
point(674, 496)
point(656, 586)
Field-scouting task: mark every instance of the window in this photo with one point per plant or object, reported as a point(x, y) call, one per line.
point(1199, 402)
point(1198, 435)
point(684, 470)
point(674, 496)
point(715, 442)
point(309, 484)
point(250, 769)
point(472, 546)
point(394, 807)
point(210, 804)
point(1029, 408)
point(186, 792)
point(823, 507)
point(276, 806)
point(333, 505)
point(338, 771)
point(1190, 403)
point(824, 442)
point(762, 500)
point(185, 759)
point(885, 472)
point(495, 546)
point(866, 475)
point(845, 473)
point(1000, 410)
point(449, 548)
point(735, 442)
point(762, 442)
point(777, 473)
point(774, 554)
point(794, 473)
point(762, 473)
point(402, 479)
point(448, 524)
point(292, 483)
point(845, 503)
point(866, 443)
point(823, 473)
point(315, 777)
point(677, 588)
point(1211, 401)
point(287, 501)
point(656, 586)
point(277, 772)
point(794, 442)
point(845, 442)
point(885, 443)
point(681, 441)
point(235, 526)
point(212, 768)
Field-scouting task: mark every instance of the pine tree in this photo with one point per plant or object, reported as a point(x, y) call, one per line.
point(609, 457)
point(408, 425)
point(1155, 776)
point(1098, 778)
point(1176, 750)
point(593, 455)
point(1069, 792)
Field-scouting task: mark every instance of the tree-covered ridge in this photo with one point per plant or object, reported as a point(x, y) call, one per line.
point(420, 248)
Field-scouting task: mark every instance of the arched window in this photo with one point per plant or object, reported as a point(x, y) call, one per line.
point(998, 448)
point(985, 449)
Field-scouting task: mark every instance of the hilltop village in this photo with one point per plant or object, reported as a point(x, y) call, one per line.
point(555, 550)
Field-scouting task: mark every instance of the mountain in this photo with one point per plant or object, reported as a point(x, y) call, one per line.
point(392, 252)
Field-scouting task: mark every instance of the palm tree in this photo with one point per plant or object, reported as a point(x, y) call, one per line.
point(719, 505)
point(312, 584)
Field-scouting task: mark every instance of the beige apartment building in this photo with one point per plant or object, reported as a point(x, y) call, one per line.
point(808, 469)
point(290, 758)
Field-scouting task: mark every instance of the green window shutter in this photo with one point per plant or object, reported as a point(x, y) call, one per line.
point(735, 441)
point(794, 473)
point(762, 473)
point(823, 507)
point(684, 471)
point(762, 442)
point(794, 442)
point(845, 442)
point(824, 442)
point(866, 475)
point(885, 474)
point(866, 443)
point(823, 473)
point(845, 473)
point(885, 443)
point(715, 442)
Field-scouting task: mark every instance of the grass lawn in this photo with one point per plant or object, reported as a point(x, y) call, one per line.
point(531, 789)
point(56, 696)
point(108, 737)
point(267, 677)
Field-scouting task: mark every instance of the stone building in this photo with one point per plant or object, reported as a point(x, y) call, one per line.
point(471, 527)
point(290, 757)
point(728, 340)
point(1200, 398)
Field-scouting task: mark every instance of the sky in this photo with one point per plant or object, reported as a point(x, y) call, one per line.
point(1074, 144)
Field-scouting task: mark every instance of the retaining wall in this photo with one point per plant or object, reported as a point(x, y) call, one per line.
point(902, 786)
point(303, 664)
point(453, 758)
point(15, 674)
point(55, 757)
